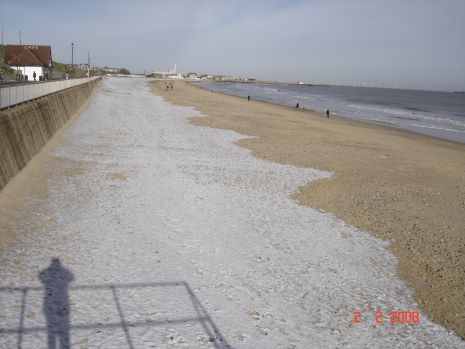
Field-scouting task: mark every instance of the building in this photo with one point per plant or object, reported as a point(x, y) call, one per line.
point(30, 59)
point(192, 76)
point(82, 66)
point(206, 76)
point(109, 70)
point(224, 78)
point(170, 73)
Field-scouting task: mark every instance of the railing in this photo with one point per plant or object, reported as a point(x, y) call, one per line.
point(12, 95)
point(162, 294)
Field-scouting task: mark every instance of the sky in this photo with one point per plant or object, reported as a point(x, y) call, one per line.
point(385, 43)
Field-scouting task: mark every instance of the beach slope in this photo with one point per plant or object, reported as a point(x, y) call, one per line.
point(400, 186)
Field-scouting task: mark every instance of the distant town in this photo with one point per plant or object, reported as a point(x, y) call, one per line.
point(28, 63)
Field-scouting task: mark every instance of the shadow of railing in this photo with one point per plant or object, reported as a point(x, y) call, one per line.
point(202, 317)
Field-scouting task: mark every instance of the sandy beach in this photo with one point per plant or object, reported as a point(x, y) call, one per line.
point(135, 228)
point(403, 187)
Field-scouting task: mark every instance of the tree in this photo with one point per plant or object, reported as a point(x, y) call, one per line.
point(124, 71)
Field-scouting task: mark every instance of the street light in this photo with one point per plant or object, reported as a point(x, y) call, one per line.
point(72, 56)
point(18, 77)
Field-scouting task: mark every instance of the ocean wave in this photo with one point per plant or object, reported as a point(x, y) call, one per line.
point(422, 126)
point(409, 115)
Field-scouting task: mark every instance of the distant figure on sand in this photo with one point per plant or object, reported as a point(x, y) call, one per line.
point(297, 105)
point(327, 113)
point(248, 98)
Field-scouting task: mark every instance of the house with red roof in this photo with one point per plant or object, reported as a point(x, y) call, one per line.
point(30, 59)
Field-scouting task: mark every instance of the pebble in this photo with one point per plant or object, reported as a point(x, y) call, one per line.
point(253, 314)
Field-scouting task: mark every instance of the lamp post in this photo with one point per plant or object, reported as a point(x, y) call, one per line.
point(72, 57)
point(18, 77)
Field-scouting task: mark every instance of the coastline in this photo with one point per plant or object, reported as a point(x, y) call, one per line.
point(387, 116)
point(400, 186)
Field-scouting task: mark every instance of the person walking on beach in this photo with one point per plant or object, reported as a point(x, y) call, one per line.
point(327, 113)
point(248, 98)
point(297, 105)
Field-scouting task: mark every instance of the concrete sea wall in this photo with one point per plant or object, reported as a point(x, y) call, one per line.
point(25, 129)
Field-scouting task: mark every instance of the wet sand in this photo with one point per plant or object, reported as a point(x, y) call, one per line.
point(400, 186)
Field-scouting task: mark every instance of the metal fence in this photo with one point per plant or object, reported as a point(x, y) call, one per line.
point(12, 95)
point(165, 299)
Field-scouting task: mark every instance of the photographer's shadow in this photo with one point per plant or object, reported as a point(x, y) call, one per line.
point(56, 288)
point(56, 279)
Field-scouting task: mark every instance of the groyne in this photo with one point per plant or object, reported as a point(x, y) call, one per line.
point(26, 128)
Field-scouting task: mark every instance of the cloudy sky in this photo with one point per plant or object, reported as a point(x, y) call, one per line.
point(391, 43)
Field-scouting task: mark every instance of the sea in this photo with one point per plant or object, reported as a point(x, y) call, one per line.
point(434, 113)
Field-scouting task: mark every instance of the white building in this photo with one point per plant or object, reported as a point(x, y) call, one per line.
point(30, 59)
point(110, 70)
point(171, 73)
point(192, 76)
